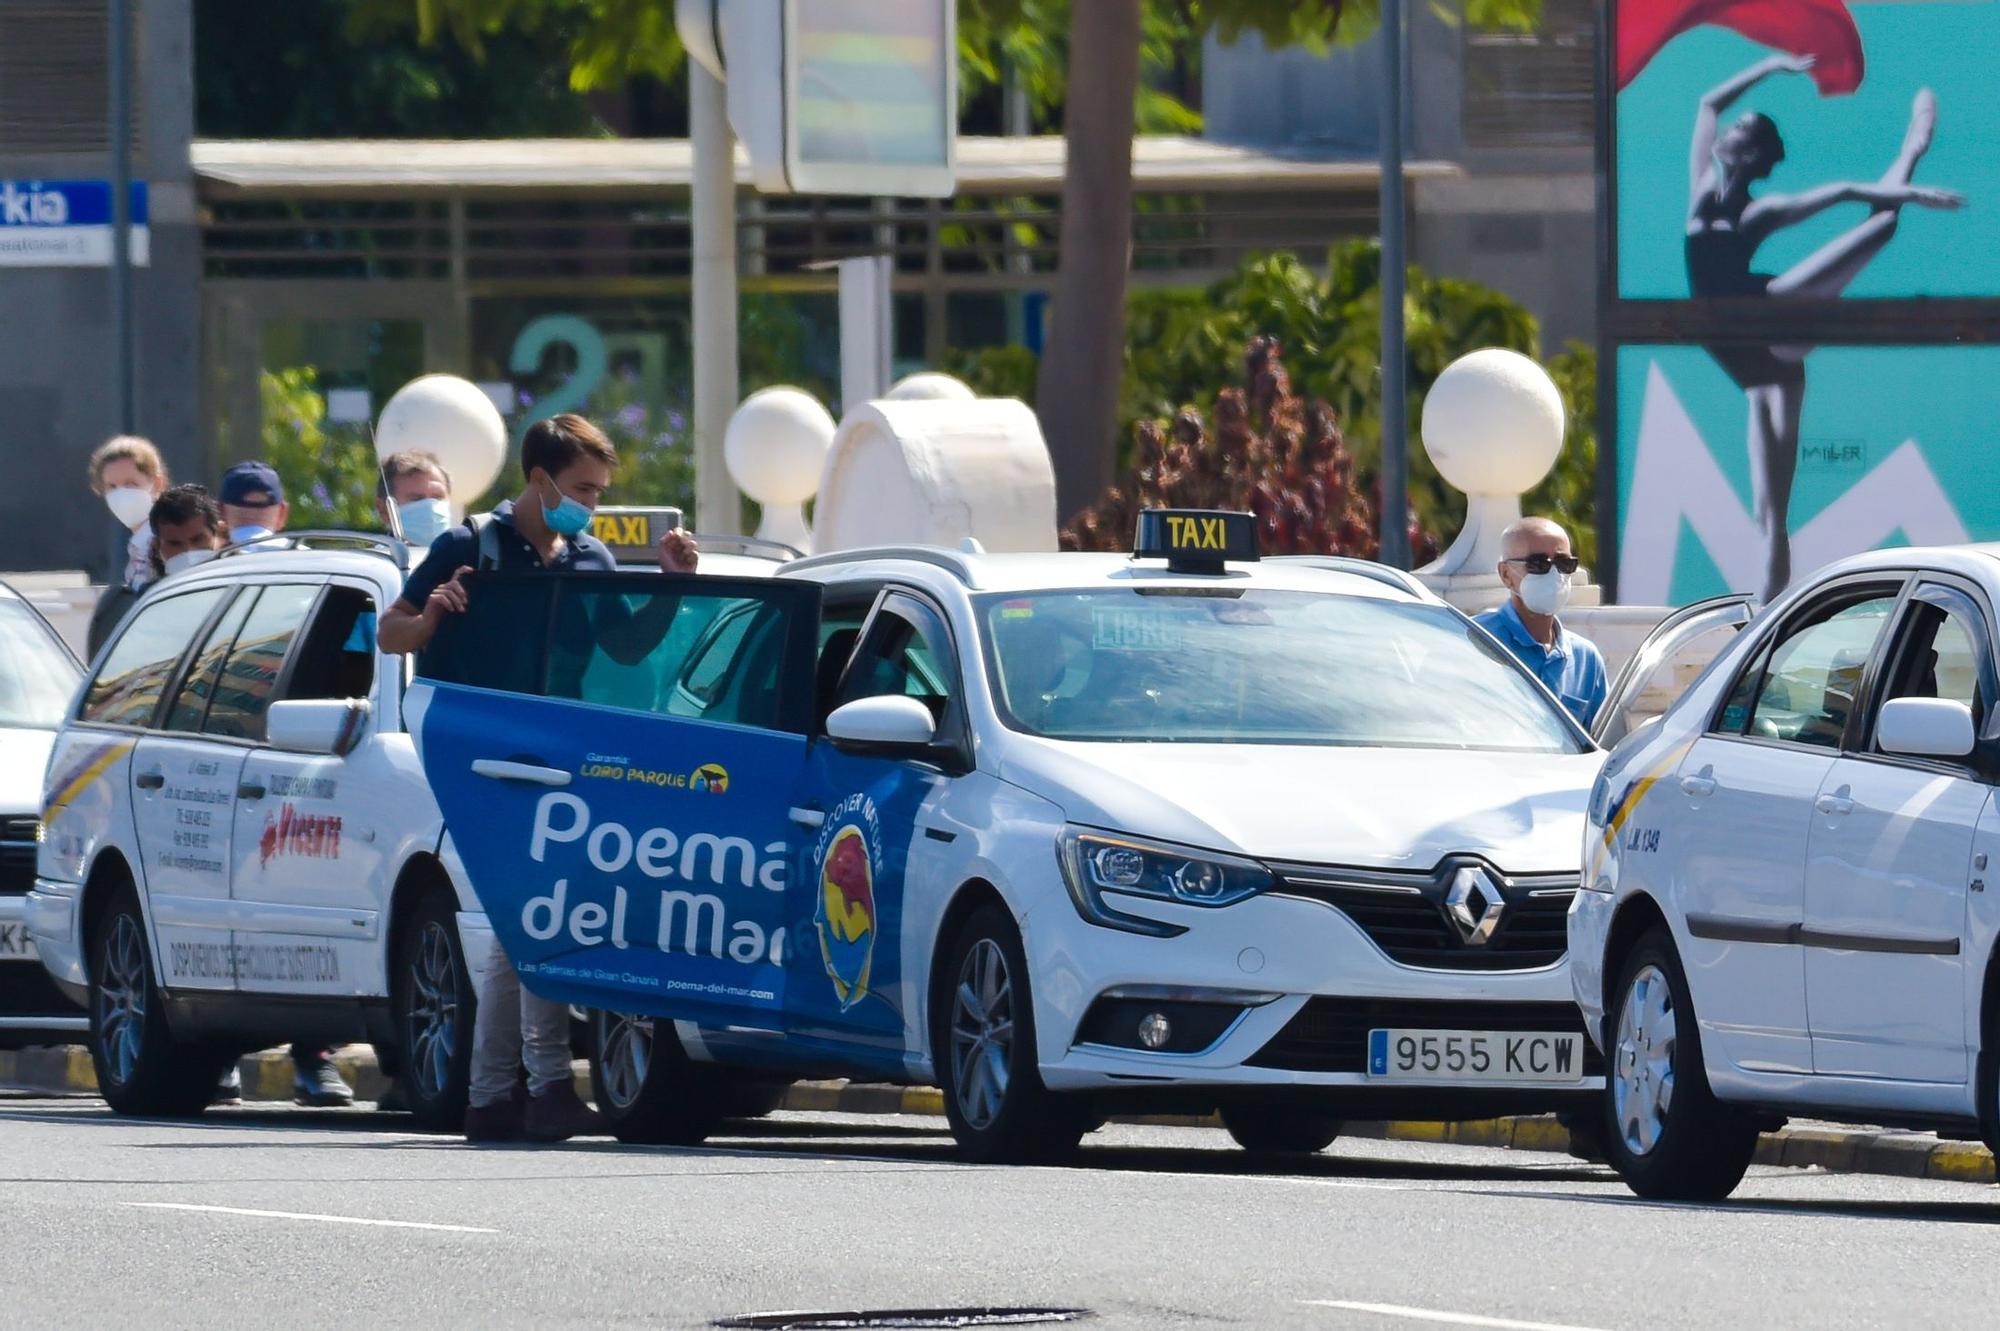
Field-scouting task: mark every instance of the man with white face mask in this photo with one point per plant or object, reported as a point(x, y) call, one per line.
point(1536, 565)
point(187, 530)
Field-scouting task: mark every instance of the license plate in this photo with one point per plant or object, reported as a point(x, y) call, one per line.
point(15, 944)
point(1456, 1056)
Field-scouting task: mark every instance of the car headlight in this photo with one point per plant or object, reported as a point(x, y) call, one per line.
point(1098, 863)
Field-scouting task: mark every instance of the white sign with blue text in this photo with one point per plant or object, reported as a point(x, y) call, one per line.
point(65, 224)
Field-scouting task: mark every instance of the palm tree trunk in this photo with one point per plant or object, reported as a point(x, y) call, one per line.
point(1084, 355)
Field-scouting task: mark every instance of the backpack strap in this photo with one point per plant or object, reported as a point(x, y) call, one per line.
point(488, 533)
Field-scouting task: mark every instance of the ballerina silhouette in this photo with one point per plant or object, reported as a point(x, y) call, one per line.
point(1726, 225)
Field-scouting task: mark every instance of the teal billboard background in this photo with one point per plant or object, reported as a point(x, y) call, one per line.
point(1950, 48)
point(1897, 446)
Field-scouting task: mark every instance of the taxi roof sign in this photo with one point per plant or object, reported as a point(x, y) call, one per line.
point(634, 532)
point(1195, 540)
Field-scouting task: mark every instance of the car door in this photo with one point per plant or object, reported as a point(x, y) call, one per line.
point(1739, 813)
point(855, 979)
point(307, 870)
point(1890, 860)
point(629, 857)
point(183, 781)
point(1678, 649)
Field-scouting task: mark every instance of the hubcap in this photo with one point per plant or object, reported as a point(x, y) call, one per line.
point(982, 1034)
point(121, 998)
point(432, 1016)
point(1642, 1086)
point(624, 1054)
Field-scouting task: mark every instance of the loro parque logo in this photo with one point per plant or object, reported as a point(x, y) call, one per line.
point(849, 855)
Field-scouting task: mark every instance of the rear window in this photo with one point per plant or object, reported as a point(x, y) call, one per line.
point(139, 666)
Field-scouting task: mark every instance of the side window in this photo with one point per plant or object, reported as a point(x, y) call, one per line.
point(901, 655)
point(1940, 656)
point(141, 663)
point(250, 673)
point(338, 659)
point(1808, 690)
point(190, 707)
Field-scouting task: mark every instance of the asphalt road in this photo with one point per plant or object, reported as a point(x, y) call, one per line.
point(280, 1217)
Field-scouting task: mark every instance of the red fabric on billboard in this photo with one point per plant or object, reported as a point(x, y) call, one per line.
point(1822, 29)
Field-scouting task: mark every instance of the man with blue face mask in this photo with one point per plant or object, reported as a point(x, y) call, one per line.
point(567, 464)
point(253, 503)
point(1536, 565)
point(418, 487)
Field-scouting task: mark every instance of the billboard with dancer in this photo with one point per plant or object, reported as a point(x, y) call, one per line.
point(1893, 447)
point(1813, 148)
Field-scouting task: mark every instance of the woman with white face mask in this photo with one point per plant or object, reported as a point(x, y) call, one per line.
point(1536, 567)
point(127, 474)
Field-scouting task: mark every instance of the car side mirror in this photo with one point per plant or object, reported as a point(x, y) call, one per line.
point(330, 726)
point(891, 725)
point(1925, 728)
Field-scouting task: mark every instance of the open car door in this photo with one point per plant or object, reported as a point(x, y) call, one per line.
point(615, 757)
point(1677, 650)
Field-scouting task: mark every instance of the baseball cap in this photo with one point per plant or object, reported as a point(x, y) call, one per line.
point(242, 483)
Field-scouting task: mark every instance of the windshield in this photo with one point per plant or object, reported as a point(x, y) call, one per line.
point(37, 677)
point(1248, 666)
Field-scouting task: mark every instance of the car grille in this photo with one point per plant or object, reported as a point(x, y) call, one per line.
point(17, 855)
point(1407, 916)
point(1331, 1034)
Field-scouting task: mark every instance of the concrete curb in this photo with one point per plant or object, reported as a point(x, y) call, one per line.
point(268, 1076)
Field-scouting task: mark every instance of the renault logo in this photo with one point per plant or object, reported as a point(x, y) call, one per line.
point(1474, 903)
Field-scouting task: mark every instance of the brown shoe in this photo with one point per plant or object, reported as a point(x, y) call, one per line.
point(557, 1115)
point(493, 1123)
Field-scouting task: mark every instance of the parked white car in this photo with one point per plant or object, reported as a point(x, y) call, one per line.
point(38, 677)
point(1062, 833)
point(1785, 905)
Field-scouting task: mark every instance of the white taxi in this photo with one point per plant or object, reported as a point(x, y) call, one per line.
point(1061, 834)
point(1785, 905)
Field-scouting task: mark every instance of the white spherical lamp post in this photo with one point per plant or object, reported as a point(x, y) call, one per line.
point(929, 385)
point(452, 419)
point(775, 446)
point(1493, 427)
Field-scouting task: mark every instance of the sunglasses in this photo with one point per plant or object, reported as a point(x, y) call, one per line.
point(1564, 564)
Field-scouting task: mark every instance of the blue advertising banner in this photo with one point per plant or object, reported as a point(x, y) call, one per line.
point(1809, 148)
point(1869, 447)
point(626, 861)
point(66, 224)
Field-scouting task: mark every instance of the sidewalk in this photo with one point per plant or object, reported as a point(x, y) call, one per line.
point(268, 1076)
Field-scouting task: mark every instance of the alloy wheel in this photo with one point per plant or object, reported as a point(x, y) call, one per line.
point(121, 998)
point(432, 1016)
point(624, 1056)
point(1642, 1086)
point(982, 1034)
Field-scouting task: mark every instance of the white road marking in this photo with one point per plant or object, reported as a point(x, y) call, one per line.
point(1444, 1318)
point(304, 1215)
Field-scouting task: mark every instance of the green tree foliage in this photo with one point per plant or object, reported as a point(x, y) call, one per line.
point(1185, 345)
point(331, 69)
point(328, 470)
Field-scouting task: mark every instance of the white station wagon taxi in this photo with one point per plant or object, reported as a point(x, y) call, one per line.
point(1059, 833)
point(1785, 905)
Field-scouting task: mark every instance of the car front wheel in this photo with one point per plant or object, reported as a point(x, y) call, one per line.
point(1665, 1132)
point(983, 1043)
point(141, 1068)
point(434, 1012)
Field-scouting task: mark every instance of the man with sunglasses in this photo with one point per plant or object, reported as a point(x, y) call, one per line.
point(1536, 565)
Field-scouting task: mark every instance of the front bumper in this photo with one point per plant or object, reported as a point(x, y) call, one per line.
point(34, 1008)
point(1589, 930)
point(50, 910)
point(1322, 982)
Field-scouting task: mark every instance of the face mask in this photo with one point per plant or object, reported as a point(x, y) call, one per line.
point(1545, 593)
point(246, 534)
point(130, 504)
point(567, 518)
point(424, 520)
point(187, 559)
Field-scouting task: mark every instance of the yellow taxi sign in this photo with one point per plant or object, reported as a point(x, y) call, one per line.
point(633, 532)
point(1195, 538)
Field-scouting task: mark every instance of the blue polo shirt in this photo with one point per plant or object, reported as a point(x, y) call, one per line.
point(1572, 667)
